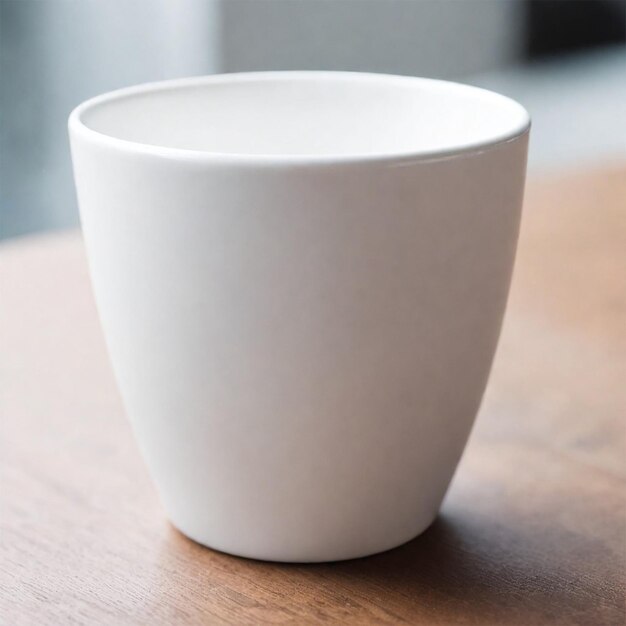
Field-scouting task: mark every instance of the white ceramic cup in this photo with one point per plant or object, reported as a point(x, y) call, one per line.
point(301, 278)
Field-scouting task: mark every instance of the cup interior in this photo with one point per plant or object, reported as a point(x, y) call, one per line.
point(316, 114)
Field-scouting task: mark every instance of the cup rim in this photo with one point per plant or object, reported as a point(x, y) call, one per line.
point(79, 128)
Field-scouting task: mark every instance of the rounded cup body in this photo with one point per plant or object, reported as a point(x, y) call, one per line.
point(301, 347)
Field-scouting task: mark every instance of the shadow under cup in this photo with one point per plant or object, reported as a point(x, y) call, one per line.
point(301, 278)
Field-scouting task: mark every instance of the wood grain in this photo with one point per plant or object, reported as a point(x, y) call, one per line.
point(533, 530)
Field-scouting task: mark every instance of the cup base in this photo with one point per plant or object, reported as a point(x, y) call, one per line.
point(294, 557)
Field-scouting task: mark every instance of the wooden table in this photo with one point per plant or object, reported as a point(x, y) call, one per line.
point(533, 529)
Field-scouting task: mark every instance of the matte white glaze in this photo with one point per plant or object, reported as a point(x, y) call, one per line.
point(301, 279)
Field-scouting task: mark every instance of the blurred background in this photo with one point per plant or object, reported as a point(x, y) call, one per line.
point(565, 60)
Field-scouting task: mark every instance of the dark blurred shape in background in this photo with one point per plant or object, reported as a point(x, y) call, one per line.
point(557, 27)
point(564, 60)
